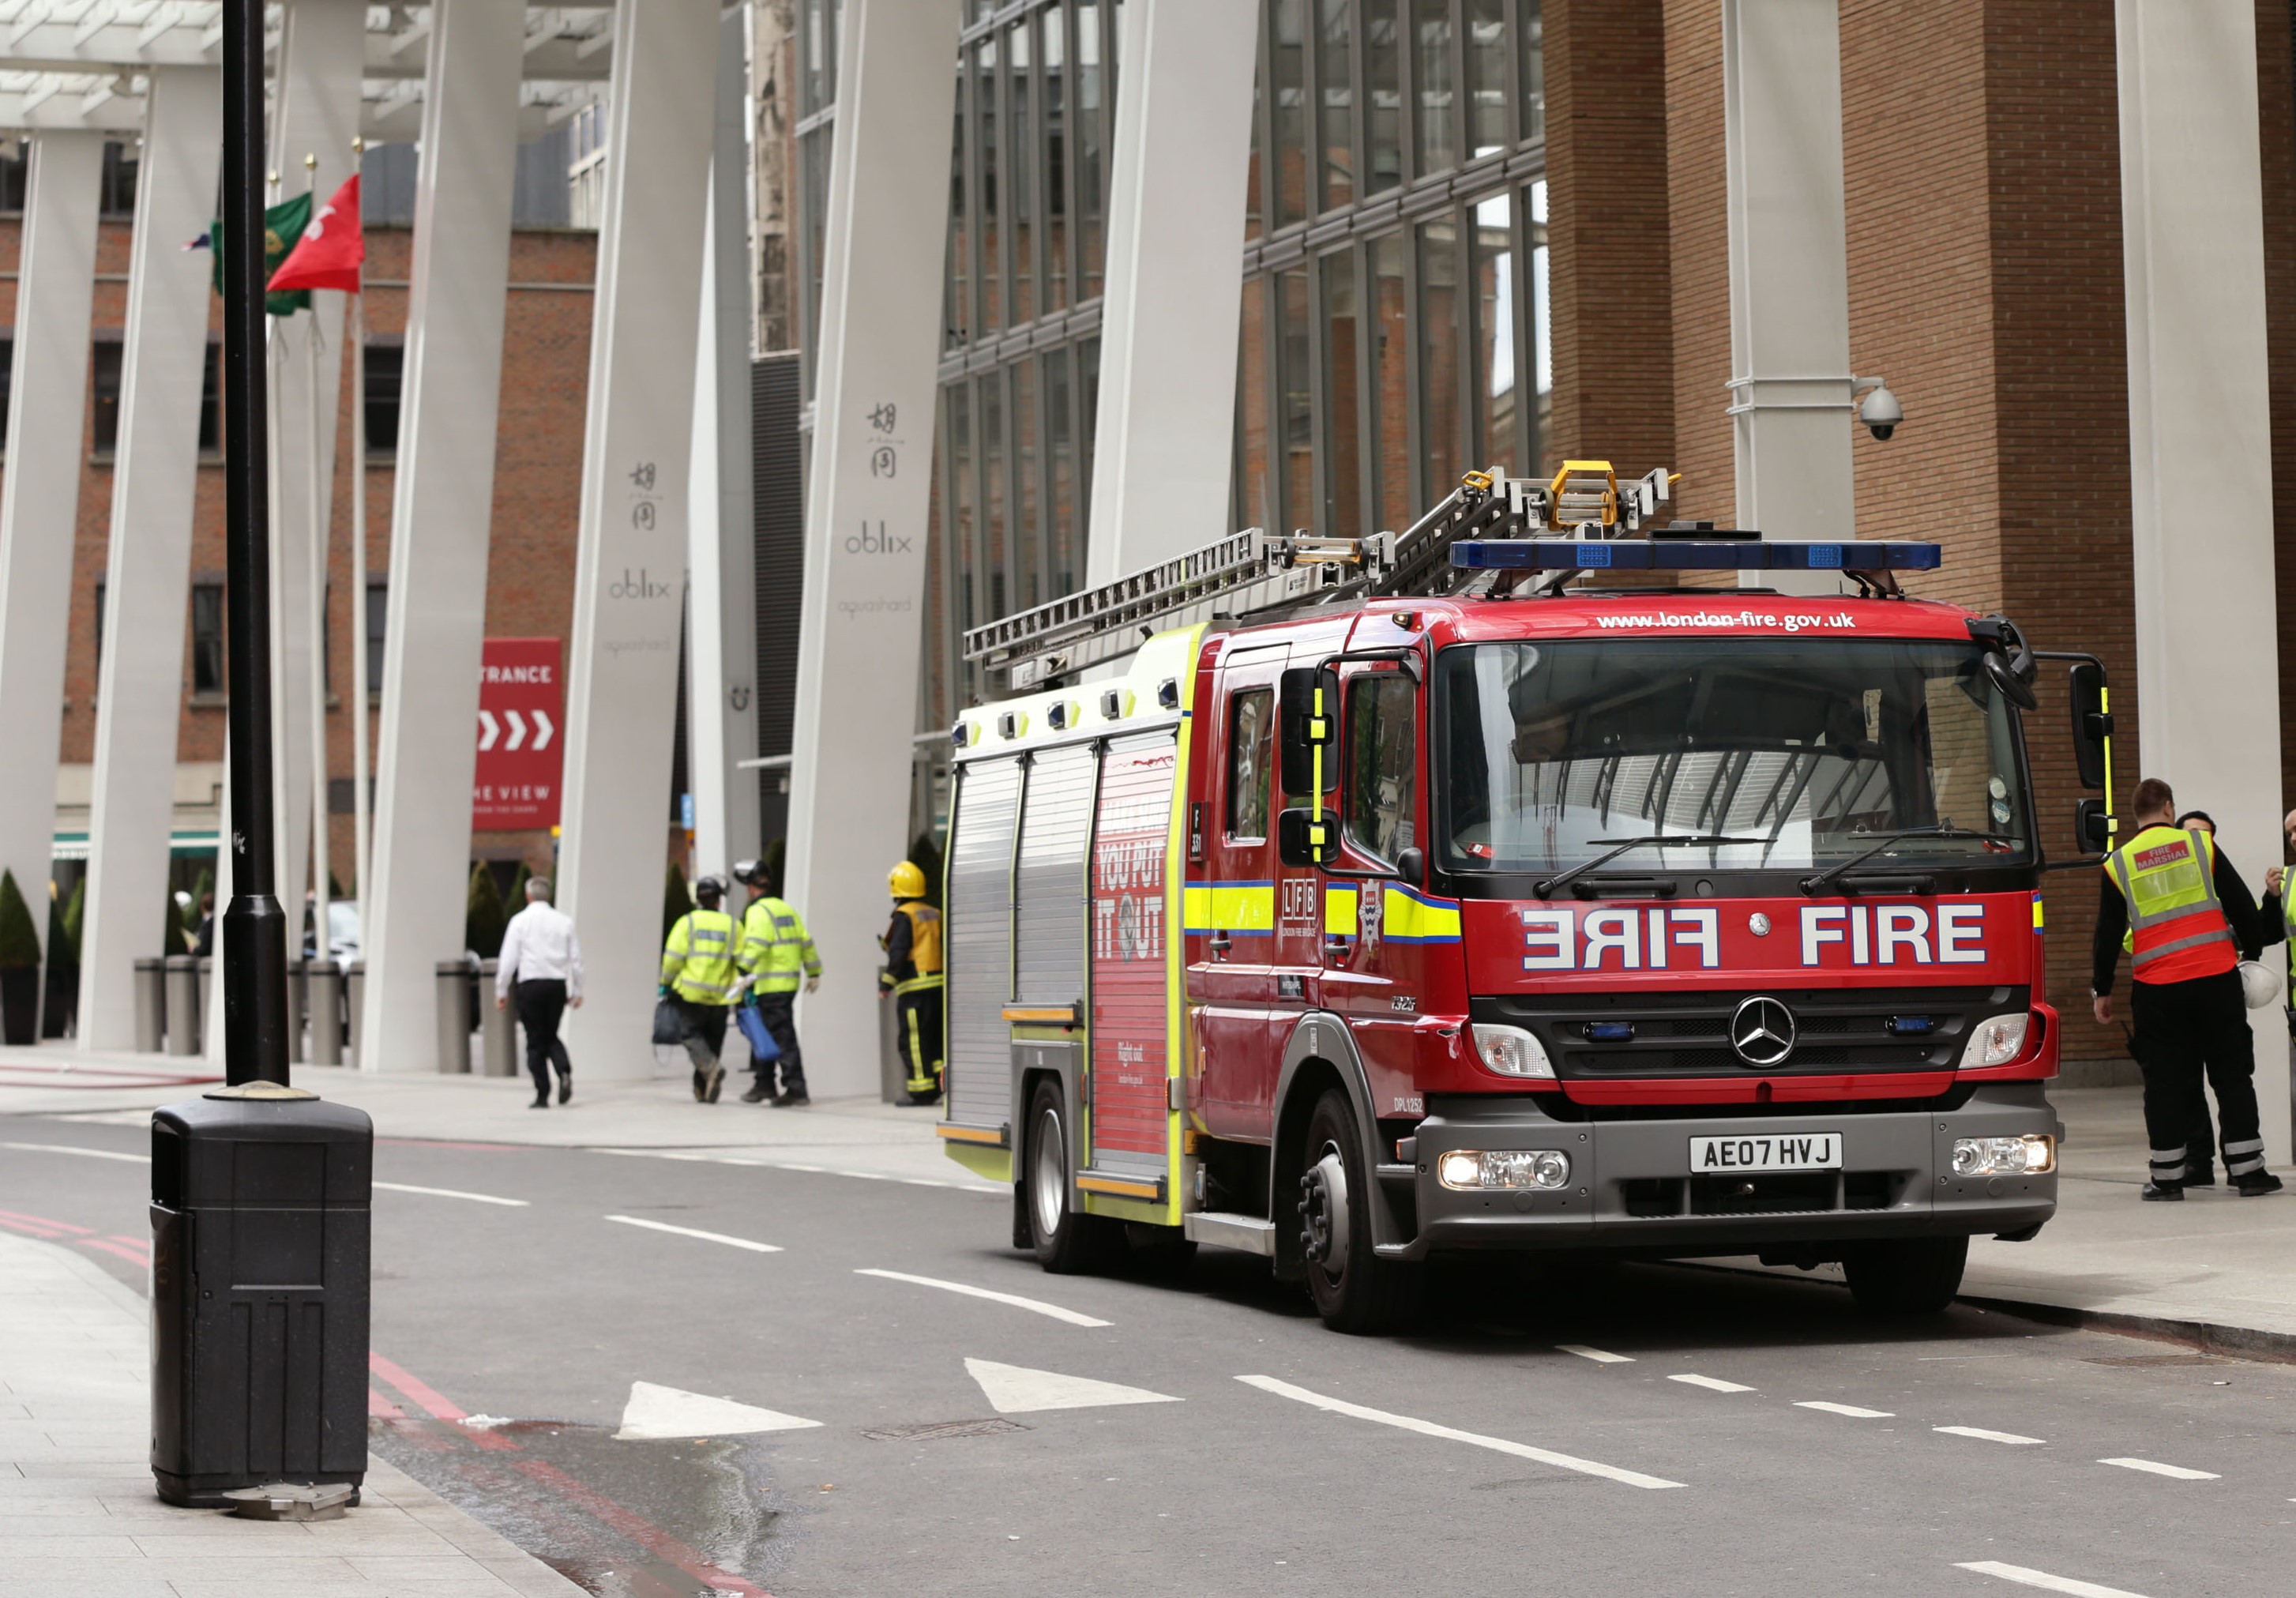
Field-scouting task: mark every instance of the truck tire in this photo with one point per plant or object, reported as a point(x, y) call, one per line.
point(1064, 1240)
point(1906, 1275)
point(1355, 1289)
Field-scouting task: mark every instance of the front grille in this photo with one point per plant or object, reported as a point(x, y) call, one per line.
point(1686, 1033)
point(1780, 1192)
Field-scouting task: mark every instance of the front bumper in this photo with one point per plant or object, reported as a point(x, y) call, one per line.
point(1630, 1187)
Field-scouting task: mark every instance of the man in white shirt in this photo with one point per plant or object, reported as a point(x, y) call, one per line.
point(541, 955)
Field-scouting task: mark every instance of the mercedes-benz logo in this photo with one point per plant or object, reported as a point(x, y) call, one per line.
point(1762, 1032)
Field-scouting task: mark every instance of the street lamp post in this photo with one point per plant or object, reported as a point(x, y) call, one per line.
point(259, 1192)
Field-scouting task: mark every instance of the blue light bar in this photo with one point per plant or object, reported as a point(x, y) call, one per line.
point(1640, 555)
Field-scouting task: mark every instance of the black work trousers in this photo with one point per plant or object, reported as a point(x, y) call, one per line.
point(916, 1033)
point(778, 1011)
point(705, 1030)
point(2183, 1029)
point(541, 1006)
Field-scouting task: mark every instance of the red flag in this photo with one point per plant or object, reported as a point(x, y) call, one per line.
point(329, 254)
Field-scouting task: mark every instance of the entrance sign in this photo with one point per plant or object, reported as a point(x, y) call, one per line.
point(520, 700)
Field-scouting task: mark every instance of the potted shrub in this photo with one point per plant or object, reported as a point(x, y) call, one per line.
point(19, 966)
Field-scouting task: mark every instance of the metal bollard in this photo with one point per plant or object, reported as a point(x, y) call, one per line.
point(151, 1004)
point(497, 1028)
point(354, 1004)
point(298, 1009)
point(186, 1036)
point(323, 983)
point(454, 1001)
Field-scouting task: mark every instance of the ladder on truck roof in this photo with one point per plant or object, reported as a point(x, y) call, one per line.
point(1252, 571)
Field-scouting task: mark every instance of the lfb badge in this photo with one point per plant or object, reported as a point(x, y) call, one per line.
point(1367, 919)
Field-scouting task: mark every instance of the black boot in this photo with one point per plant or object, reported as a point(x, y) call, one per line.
point(2156, 1192)
point(565, 1085)
point(759, 1094)
point(2255, 1185)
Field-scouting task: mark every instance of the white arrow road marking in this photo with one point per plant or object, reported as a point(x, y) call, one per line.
point(1014, 1300)
point(1714, 1382)
point(1497, 1445)
point(487, 731)
point(2177, 1471)
point(542, 730)
point(1016, 1389)
point(706, 1237)
point(1601, 1356)
point(1983, 1436)
point(450, 1192)
point(516, 729)
point(2045, 1581)
point(1852, 1410)
point(668, 1412)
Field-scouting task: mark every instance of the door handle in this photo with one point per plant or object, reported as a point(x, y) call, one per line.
point(1220, 942)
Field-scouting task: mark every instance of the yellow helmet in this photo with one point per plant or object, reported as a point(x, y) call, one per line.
point(905, 880)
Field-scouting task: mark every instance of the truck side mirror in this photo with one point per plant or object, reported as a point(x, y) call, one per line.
point(2014, 688)
point(1308, 722)
point(2092, 827)
point(2091, 725)
point(1308, 837)
point(1411, 866)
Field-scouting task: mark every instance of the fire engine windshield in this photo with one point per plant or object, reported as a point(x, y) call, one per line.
point(1810, 749)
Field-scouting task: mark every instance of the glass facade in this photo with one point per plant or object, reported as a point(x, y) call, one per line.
point(1393, 330)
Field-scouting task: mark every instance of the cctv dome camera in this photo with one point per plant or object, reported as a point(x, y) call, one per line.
point(1881, 412)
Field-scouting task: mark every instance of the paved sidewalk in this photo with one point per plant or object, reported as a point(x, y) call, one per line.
point(79, 1518)
point(2218, 1268)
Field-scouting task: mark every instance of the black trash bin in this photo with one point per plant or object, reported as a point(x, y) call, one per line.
point(260, 1225)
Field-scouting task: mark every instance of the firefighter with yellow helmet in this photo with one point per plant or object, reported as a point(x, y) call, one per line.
point(911, 978)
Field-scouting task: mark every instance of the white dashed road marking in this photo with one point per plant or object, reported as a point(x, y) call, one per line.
point(1852, 1410)
point(65, 1148)
point(708, 1237)
point(1714, 1382)
point(1014, 1300)
point(1497, 1445)
point(451, 1193)
point(1601, 1356)
point(2045, 1581)
point(2154, 1468)
point(1983, 1436)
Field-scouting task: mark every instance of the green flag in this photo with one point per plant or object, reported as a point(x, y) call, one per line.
point(282, 225)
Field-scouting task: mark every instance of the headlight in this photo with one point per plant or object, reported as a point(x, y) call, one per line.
point(1504, 1169)
point(2032, 1155)
point(1511, 1052)
point(1995, 1042)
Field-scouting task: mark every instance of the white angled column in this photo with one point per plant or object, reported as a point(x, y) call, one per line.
point(39, 495)
point(155, 474)
point(441, 519)
point(2199, 440)
point(1177, 176)
point(318, 115)
point(721, 645)
point(636, 466)
point(1788, 273)
point(867, 495)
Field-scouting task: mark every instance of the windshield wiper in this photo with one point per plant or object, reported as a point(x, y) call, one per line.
point(1547, 888)
point(1815, 885)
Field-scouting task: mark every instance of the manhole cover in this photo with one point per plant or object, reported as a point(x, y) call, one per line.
point(925, 1431)
point(2161, 1359)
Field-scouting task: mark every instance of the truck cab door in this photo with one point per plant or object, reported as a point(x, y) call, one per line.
point(1375, 921)
point(1229, 903)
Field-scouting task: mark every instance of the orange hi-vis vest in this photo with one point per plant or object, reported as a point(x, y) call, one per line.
point(2177, 925)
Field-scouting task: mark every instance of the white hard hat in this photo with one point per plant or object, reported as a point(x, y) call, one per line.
point(2259, 984)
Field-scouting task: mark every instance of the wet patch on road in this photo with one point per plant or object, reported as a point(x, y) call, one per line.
point(698, 1517)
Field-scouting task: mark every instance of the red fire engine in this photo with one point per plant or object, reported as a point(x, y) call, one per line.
point(1436, 893)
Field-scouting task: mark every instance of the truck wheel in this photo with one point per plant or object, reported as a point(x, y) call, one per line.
point(1064, 1240)
point(1354, 1290)
point(1907, 1275)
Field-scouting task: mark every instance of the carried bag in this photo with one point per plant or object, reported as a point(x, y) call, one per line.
point(763, 1049)
point(668, 1025)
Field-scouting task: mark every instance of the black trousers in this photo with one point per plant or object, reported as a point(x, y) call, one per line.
point(916, 1033)
point(541, 1006)
point(705, 1030)
point(2183, 1029)
point(778, 1011)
